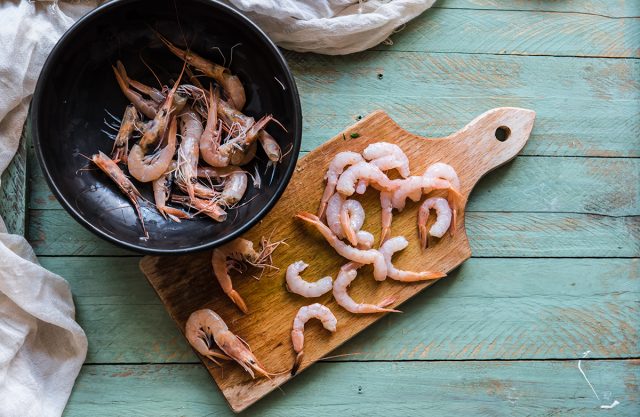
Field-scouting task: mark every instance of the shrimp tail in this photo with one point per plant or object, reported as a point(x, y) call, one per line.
point(238, 300)
point(347, 229)
point(385, 303)
point(456, 202)
point(424, 236)
point(297, 363)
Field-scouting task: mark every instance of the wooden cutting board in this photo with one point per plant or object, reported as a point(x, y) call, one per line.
point(186, 283)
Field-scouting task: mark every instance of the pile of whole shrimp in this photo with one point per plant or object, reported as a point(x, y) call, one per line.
point(341, 218)
point(215, 139)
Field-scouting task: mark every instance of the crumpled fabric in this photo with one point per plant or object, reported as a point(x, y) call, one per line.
point(42, 347)
point(332, 27)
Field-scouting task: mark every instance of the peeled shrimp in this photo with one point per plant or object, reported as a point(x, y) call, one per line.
point(306, 313)
point(363, 256)
point(114, 172)
point(346, 275)
point(443, 171)
point(297, 285)
point(351, 219)
point(230, 83)
point(121, 143)
point(204, 327)
point(394, 245)
point(336, 167)
point(270, 146)
point(188, 152)
point(415, 187)
point(146, 168)
point(387, 156)
point(161, 191)
point(443, 219)
point(240, 250)
point(363, 171)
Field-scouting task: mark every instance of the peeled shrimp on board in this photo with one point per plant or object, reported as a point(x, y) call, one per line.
point(394, 245)
point(306, 313)
point(297, 285)
point(345, 277)
point(443, 219)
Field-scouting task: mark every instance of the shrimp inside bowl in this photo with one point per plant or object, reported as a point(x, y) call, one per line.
point(79, 99)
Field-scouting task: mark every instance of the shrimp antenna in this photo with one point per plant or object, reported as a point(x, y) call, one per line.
point(150, 69)
point(231, 53)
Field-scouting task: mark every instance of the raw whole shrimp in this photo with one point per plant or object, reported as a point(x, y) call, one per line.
point(156, 95)
point(306, 313)
point(205, 327)
point(240, 250)
point(146, 168)
point(212, 136)
point(346, 275)
point(243, 157)
point(443, 219)
point(121, 143)
point(161, 191)
point(336, 167)
point(270, 146)
point(222, 172)
point(188, 152)
point(208, 207)
point(230, 83)
point(145, 106)
point(368, 256)
point(386, 156)
point(234, 188)
point(394, 245)
point(443, 171)
point(363, 170)
point(241, 144)
point(114, 172)
point(297, 285)
point(156, 127)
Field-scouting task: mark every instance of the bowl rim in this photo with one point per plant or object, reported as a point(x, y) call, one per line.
point(33, 130)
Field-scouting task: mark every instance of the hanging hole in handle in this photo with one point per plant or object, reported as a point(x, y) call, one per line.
point(503, 133)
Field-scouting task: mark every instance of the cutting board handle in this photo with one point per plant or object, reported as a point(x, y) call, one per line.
point(490, 140)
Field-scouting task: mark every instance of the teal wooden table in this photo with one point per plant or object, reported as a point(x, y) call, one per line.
point(555, 234)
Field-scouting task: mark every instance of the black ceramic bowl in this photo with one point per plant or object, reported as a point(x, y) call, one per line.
point(77, 85)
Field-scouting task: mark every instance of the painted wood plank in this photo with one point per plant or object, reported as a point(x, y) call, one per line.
point(371, 389)
point(487, 309)
point(461, 75)
point(608, 186)
point(491, 234)
point(13, 190)
point(613, 8)
point(518, 32)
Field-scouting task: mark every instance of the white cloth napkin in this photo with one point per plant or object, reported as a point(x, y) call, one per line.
point(332, 27)
point(42, 348)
